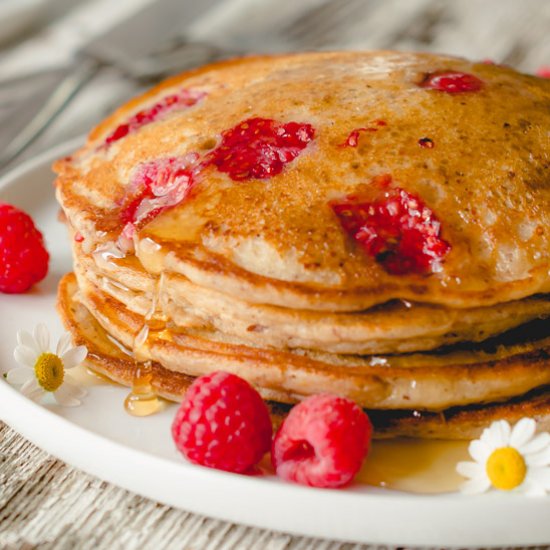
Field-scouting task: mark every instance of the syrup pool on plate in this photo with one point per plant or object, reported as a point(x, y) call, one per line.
point(414, 465)
point(408, 465)
point(86, 377)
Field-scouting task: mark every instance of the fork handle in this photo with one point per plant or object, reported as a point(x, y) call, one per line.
point(48, 112)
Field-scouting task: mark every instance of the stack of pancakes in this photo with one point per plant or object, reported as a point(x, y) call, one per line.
point(254, 273)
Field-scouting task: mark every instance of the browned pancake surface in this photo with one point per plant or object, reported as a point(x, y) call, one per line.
point(277, 241)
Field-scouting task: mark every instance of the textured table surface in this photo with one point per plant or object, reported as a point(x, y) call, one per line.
point(45, 503)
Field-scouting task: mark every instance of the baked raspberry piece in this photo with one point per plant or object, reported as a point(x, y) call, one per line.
point(396, 228)
point(259, 148)
point(155, 186)
point(322, 442)
point(353, 138)
point(23, 256)
point(222, 423)
point(174, 102)
point(452, 82)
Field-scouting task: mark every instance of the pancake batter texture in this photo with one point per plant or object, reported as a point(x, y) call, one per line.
point(371, 224)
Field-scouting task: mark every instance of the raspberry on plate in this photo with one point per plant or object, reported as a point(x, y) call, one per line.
point(322, 442)
point(223, 423)
point(23, 256)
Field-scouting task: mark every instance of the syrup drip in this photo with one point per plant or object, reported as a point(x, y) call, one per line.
point(105, 255)
point(142, 399)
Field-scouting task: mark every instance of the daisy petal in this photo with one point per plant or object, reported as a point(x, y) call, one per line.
point(479, 451)
point(491, 436)
point(25, 356)
point(469, 469)
point(475, 486)
point(74, 357)
point(542, 458)
point(77, 391)
point(523, 432)
point(63, 344)
point(538, 443)
point(66, 397)
point(42, 337)
point(540, 476)
point(532, 489)
point(485, 437)
point(25, 338)
point(501, 432)
point(32, 390)
point(20, 375)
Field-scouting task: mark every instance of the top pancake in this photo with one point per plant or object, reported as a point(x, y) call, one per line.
point(276, 240)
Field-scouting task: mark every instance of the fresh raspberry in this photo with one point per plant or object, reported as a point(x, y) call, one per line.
point(396, 228)
point(174, 102)
point(452, 82)
point(322, 442)
point(222, 423)
point(544, 71)
point(23, 256)
point(259, 148)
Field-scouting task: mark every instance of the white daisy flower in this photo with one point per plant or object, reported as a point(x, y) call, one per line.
point(43, 371)
point(507, 459)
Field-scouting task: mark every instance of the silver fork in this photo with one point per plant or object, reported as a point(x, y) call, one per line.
point(128, 45)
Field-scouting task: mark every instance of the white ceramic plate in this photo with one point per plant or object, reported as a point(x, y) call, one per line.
point(138, 454)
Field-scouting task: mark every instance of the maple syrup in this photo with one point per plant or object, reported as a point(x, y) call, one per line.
point(414, 465)
point(104, 256)
point(86, 377)
point(142, 399)
point(410, 465)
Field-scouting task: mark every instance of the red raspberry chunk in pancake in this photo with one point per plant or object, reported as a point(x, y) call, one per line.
point(259, 148)
point(396, 228)
point(353, 138)
point(156, 186)
point(452, 82)
point(174, 102)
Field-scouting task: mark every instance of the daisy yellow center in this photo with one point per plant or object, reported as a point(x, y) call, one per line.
point(506, 468)
point(49, 371)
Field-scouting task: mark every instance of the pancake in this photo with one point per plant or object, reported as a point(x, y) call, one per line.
point(108, 359)
point(369, 224)
point(292, 376)
point(394, 327)
point(266, 240)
